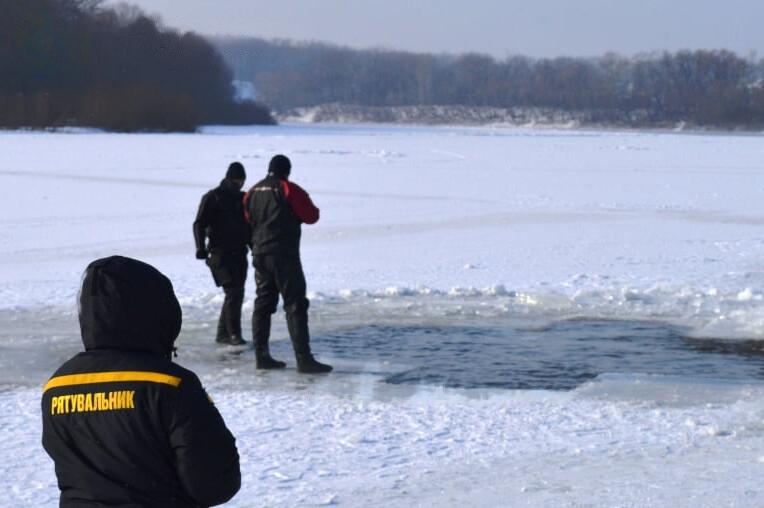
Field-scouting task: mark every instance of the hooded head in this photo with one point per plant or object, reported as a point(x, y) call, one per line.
point(236, 171)
point(128, 305)
point(280, 166)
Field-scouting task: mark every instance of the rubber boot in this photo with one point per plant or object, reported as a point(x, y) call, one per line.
point(230, 315)
point(233, 340)
point(229, 322)
point(297, 323)
point(237, 340)
point(221, 337)
point(261, 331)
point(306, 364)
point(267, 362)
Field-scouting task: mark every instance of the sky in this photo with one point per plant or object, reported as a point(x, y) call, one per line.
point(537, 28)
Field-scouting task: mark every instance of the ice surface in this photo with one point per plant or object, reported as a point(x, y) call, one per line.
point(441, 228)
point(633, 224)
point(609, 444)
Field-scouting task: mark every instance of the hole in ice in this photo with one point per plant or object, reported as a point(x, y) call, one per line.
point(560, 356)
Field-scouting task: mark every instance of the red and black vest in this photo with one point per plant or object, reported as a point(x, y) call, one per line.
point(275, 227)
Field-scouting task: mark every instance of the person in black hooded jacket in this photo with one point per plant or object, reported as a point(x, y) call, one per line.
point(220, 222)
point(124, 425)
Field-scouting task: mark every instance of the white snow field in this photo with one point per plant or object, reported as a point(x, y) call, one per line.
point(421, 227)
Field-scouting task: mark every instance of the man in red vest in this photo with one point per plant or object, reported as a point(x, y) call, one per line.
point(276, 208)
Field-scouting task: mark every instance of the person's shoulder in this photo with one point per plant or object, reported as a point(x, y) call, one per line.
point(210, 194)
point(295, 187)
point(183, 378)
point(162, 365)
point(266, 184)
point(73, 365)
point(182, 372)
point(105, 360)
point(297, 193)
point(268, 180)
point(104, 366)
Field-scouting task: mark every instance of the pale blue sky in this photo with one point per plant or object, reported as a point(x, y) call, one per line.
point(541, 28)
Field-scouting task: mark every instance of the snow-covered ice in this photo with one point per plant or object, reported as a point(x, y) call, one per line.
point(424, 227)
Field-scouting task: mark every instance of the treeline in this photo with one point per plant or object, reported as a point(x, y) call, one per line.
point(702, 87)
point(76, 63)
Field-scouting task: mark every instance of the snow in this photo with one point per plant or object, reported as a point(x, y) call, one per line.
point(640, 441)
point(463, 115)
point(420, 224)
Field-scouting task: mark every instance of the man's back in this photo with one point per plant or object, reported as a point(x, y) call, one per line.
point(221, 218)
point(275, 229)
point(276, 208)
point(124, 425)
point(114, 422)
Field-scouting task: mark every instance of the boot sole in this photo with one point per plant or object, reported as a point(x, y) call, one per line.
point(314, 371)
point(270, 367)
point(222, 346)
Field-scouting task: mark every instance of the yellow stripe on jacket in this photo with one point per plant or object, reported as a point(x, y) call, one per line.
point(112, 377)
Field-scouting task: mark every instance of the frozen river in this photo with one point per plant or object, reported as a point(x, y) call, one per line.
point(517, 317)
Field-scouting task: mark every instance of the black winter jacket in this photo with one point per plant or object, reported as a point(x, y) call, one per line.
point(124, 425)
point(275, 209)
point(220, 218)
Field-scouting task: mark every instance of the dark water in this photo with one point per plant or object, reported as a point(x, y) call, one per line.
point(502, 353)
point(557, 357)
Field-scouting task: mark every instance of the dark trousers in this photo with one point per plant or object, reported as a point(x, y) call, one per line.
point(280, 275)
point(229, 269)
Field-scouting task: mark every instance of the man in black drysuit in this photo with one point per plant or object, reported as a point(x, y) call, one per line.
point(220, 219)
point(275, 209)
point(124, 425)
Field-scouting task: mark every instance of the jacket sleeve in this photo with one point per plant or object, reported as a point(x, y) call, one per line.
point(246, 201)
point(300, 202)
point(247, 232)
point(206, 458)
point(203, 219)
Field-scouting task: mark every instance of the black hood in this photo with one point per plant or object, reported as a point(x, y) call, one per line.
point(128, 305)
point(228, 185)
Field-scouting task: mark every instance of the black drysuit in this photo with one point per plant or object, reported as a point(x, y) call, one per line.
point(276, 208)
point(124, 425)
point(220, 219)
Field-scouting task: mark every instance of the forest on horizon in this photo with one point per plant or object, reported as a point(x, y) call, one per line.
point(705, 88)
point(78, 63)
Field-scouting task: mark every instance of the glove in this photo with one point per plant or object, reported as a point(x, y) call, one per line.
point(202, 253)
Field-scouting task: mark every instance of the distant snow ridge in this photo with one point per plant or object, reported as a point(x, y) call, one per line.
point(459, 115)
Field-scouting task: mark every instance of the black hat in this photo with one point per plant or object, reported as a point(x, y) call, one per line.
point(236, 171)
point(280, 166)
